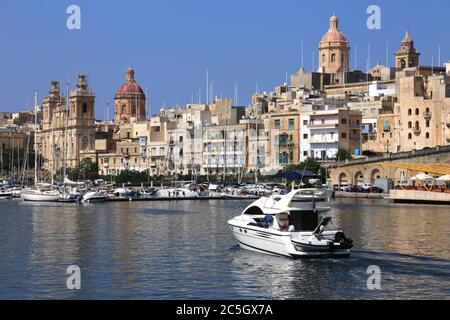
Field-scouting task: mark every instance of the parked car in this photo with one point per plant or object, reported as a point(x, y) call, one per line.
point(345, 188)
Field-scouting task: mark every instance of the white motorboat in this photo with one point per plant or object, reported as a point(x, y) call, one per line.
point(38, 195)
point(5, 194)
point(278, 225)
point(95, 196)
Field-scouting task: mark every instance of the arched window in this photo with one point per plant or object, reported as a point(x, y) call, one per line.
point(323, 58)
point(409, 112)
point(417, 126)
point(85, 108)
point(124, 109)
point(409, 125)
point(427, 135)
point(402, 63)
point(417, 111)
point(409, 136)
point(427, 123)
point(333, 57)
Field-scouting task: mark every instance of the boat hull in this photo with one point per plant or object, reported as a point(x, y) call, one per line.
point(279, 243)
point(32, 197)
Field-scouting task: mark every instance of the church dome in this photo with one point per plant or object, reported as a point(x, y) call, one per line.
point(333, 35)
point(129, 87)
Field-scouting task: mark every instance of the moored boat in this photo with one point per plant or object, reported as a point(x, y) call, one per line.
point(37, 195)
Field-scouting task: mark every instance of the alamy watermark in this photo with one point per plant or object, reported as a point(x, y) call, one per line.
point(374, 280)
point(374, 20)
point(74, 280)
point(74, 20)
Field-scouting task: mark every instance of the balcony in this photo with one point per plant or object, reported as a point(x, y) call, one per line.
point(287, 144)
point(427, 115)
point(323, 126)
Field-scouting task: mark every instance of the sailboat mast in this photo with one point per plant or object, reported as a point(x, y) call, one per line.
point(66, 119)
point(35, 138)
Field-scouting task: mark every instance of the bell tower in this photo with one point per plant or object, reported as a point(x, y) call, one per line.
point(407, 56)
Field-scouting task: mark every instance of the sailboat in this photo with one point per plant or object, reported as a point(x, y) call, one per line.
point(40, 193)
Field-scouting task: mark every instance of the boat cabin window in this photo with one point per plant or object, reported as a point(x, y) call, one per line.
point(254, 211)
point(304, 220)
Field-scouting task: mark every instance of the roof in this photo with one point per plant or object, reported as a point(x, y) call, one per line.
point(433, 168)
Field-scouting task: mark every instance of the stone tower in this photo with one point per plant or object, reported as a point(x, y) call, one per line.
point(81, 121)
point(334, 52)
point(407, 56)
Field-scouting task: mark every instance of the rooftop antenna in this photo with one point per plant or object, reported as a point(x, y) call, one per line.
point(313, 62)
point(439, 55)
point(387, 53)
point(356, 57)
point(303, 62)
point(207, 86)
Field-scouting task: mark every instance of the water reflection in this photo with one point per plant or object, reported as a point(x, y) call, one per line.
point(184, 250)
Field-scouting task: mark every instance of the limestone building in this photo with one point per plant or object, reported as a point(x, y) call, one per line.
point(66, 133)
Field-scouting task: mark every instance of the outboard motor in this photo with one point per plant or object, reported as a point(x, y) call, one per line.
point(345, 243)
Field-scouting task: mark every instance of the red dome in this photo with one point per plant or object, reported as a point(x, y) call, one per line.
point(334, 36)
point(129, 88)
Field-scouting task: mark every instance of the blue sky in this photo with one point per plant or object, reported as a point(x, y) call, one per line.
point(171, 43)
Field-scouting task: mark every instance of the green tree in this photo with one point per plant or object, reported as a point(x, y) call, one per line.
point(343, 154)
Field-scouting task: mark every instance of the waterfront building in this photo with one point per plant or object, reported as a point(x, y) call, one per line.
point(70, 131)
point(285, 137)
point(331, 129)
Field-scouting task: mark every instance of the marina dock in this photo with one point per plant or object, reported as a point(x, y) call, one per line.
point(415, 196)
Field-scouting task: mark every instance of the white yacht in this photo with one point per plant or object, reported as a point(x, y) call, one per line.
point(39, 195)
point(290, 225)
point(95, 196)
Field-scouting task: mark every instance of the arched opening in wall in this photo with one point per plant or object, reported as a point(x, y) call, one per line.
point(323, 58)
point(409, 112)
point(343, 180)
point(417, 111)
point(333, 57)
point(402, 63)
point(375, 175)
point(358, 178)
point(124, 109)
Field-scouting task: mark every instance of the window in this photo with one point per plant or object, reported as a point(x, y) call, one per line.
point(427, 123)
point(417, 125)
point(305, 153)
point(409, 136)
point(409, 112)
point(344, 135)
point(305, 122)
point(277, 124)
point(343, 121)
point(85, 108)
point(305, 136)
point(417, 111)
point(427, 135)
point(409, 124)
point(333, 57)
point(323, 58)
point(291, 123)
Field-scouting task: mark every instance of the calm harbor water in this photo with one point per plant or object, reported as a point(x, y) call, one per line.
point(184, 250)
